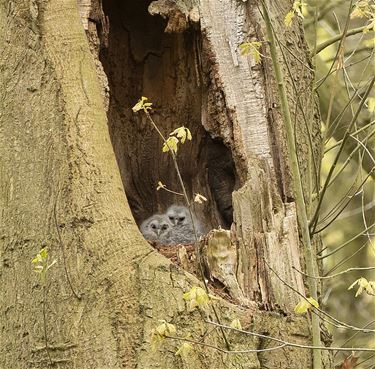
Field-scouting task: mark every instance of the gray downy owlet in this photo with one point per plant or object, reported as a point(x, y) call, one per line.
point(157, 228)
point(182, 228)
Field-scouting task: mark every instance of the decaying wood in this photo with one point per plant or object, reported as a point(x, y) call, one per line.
point(178, 13)
point(219, 255)
point(267, 235)
point(265, 221)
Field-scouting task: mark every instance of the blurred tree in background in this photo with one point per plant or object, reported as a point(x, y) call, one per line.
point(342, 33)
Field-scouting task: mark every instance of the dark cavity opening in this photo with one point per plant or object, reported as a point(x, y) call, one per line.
point(141, 60)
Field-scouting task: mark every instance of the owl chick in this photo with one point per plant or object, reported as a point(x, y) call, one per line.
point(182, 228)
point(157, 228)
point(182, 234)
point(179, 215)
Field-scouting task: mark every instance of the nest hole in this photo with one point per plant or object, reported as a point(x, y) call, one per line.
point(140, 59)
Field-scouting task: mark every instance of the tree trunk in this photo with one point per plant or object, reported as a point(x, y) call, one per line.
point(78, 171)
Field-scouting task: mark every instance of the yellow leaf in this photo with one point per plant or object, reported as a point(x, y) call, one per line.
point(37, 259)
point(369, 43)
point(156, 339)
point(202, 296)
point(199, 198)
point(289, 18)
point(190, 294)
point(245, 48)
point(363, 9)
point(182, 133)
point(170, 144)
point(44, 253)
point(165, 329)
point(142, 104)
point(305, 305)
point(197, 296)
point(371, 104)
point(313, 302)
point(236, 324)
point(184, 349)
point(298, 8)
point(363, 285)
point(256, 56)
point(160, 185)
point(253, 48)
point(357, 13)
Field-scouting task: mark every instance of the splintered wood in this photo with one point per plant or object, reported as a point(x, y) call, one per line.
point(268, 242)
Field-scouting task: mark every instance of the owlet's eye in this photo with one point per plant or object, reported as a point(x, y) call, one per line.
point(165, 227)
point(181, 219)
point(153, 226)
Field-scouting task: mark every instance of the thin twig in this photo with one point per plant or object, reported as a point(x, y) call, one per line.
point(292, 344)
point(340, 46)
point(345, 243)
point(348, 66)
point(368, 125)
point(354, 335)
point(220, 326)
point(327, 7)
point(346, 259)
point(344, 207)
point(349, 158)
point(334, 164)
point(336, 38)
point(171, 191)
point(336, 274)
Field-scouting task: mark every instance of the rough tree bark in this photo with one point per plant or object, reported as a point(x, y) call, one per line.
point(70, 148)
